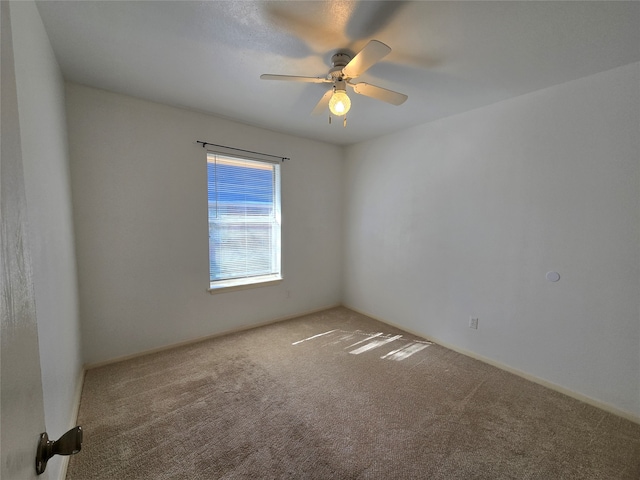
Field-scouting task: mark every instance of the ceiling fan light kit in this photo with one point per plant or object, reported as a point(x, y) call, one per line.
point(344, 69)
point(340, 103)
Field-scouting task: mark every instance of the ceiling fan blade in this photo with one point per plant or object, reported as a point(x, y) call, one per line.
point(372, 53)
point(323, 104)
point(292, 78)
point(379, 93)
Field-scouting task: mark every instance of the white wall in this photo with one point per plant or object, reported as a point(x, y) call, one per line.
point(464, 216)
point(140, 205)
point(41, 108)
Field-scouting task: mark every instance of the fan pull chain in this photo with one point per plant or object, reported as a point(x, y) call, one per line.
point(344, 121)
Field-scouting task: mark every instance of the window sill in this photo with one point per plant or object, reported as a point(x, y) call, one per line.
point(234, 285)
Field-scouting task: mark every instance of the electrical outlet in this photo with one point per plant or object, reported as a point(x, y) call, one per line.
point(473, 323)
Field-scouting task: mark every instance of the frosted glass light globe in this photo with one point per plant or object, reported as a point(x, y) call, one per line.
point(339, 103)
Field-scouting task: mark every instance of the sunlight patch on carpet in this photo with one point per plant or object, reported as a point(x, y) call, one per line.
point(373, 344)
point(315, 336)
point(405, 352)
point(370, 341)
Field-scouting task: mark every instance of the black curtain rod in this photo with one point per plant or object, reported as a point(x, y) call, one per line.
point(204, 145)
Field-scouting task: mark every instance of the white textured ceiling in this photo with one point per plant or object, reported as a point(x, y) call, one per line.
point(448, 57)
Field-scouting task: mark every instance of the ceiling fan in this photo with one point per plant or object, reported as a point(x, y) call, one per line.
point(344, 70)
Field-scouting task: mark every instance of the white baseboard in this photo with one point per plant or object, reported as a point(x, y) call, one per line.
point(527, 376)
point(208, 337)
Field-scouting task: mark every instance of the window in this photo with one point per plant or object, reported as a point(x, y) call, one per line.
point(244, 221)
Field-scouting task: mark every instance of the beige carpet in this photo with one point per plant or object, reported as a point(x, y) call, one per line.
point(337, 395)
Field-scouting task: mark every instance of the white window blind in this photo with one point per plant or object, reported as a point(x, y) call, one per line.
point(244, 221)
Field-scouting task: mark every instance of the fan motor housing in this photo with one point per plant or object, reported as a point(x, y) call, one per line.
point(338, 62)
